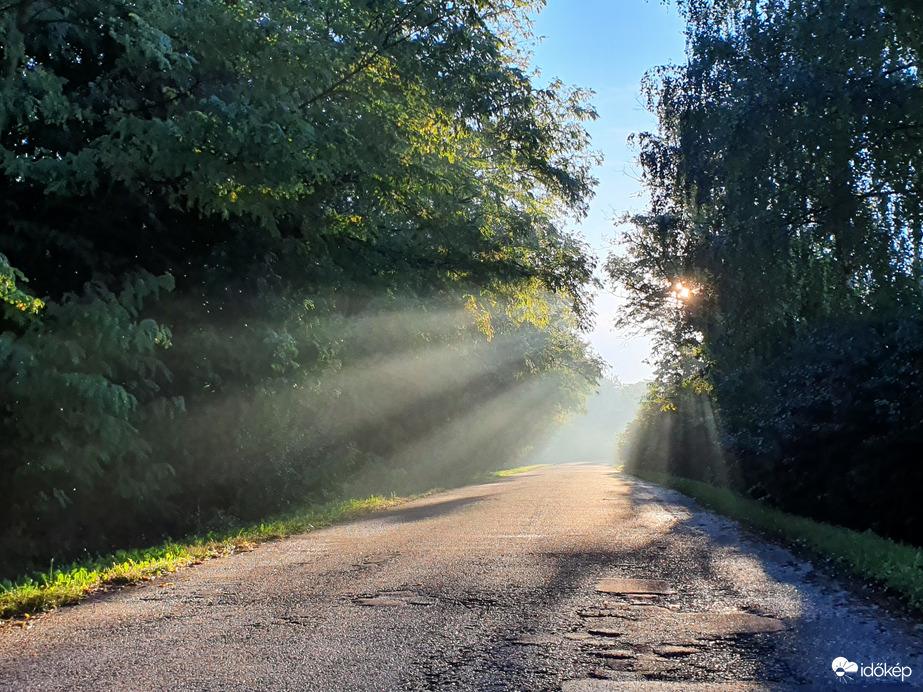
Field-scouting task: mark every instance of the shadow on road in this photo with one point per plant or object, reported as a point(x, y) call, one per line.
point(683, 556)
point(432, 510)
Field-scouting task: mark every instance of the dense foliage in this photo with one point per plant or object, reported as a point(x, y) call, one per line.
point(781, 260)
point(273, 247)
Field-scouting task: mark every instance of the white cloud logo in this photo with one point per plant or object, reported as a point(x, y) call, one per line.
point(842, 666)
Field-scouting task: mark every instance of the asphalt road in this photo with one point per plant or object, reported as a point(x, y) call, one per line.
point(568, 577)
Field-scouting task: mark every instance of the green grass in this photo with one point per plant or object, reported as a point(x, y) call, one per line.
point(494, 476)
point(897, 567)
point(60, 587)
point(63, 587)
point(518, 469)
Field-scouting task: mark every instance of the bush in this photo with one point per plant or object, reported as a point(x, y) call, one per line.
point(829, 428)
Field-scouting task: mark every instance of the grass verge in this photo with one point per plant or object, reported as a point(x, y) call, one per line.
point(60, 587)
point(518, 469)
point(897, 567)
point(63, 587)
point(493, 476)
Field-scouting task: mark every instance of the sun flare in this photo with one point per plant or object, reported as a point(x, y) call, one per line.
point(681, 291)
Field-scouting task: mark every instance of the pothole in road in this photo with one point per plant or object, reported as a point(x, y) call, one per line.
point(643, 598)
point(578, 636)
point(634, 638)
point(668, 627)
point(379, 601)
point(392, 599)
point(376, 560)
point(629, 611)
point(534, 640)
point(715, 625)
point(670, 651)
point(645, 587)
point(615, 654)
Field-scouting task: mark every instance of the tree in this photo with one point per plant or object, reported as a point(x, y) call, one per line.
point(213, 199)
point(785, 197)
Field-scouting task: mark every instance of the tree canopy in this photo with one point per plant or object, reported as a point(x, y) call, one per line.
point(782, 253)
point(221, 220)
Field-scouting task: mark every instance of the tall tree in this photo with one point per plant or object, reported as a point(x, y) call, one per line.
point(785, 194)
point(212, 200)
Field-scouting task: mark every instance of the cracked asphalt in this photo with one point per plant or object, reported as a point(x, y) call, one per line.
point(568, 577)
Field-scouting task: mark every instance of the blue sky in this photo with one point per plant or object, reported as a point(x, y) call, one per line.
point(607, 46)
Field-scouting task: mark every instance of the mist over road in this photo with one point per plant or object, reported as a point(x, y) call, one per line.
point(568, 577)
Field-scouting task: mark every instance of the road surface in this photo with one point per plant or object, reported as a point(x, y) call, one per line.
point(567, 578)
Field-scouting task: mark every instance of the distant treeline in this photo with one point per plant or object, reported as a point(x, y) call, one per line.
point(593, 434)
point(781, 259)
point(253, 252)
